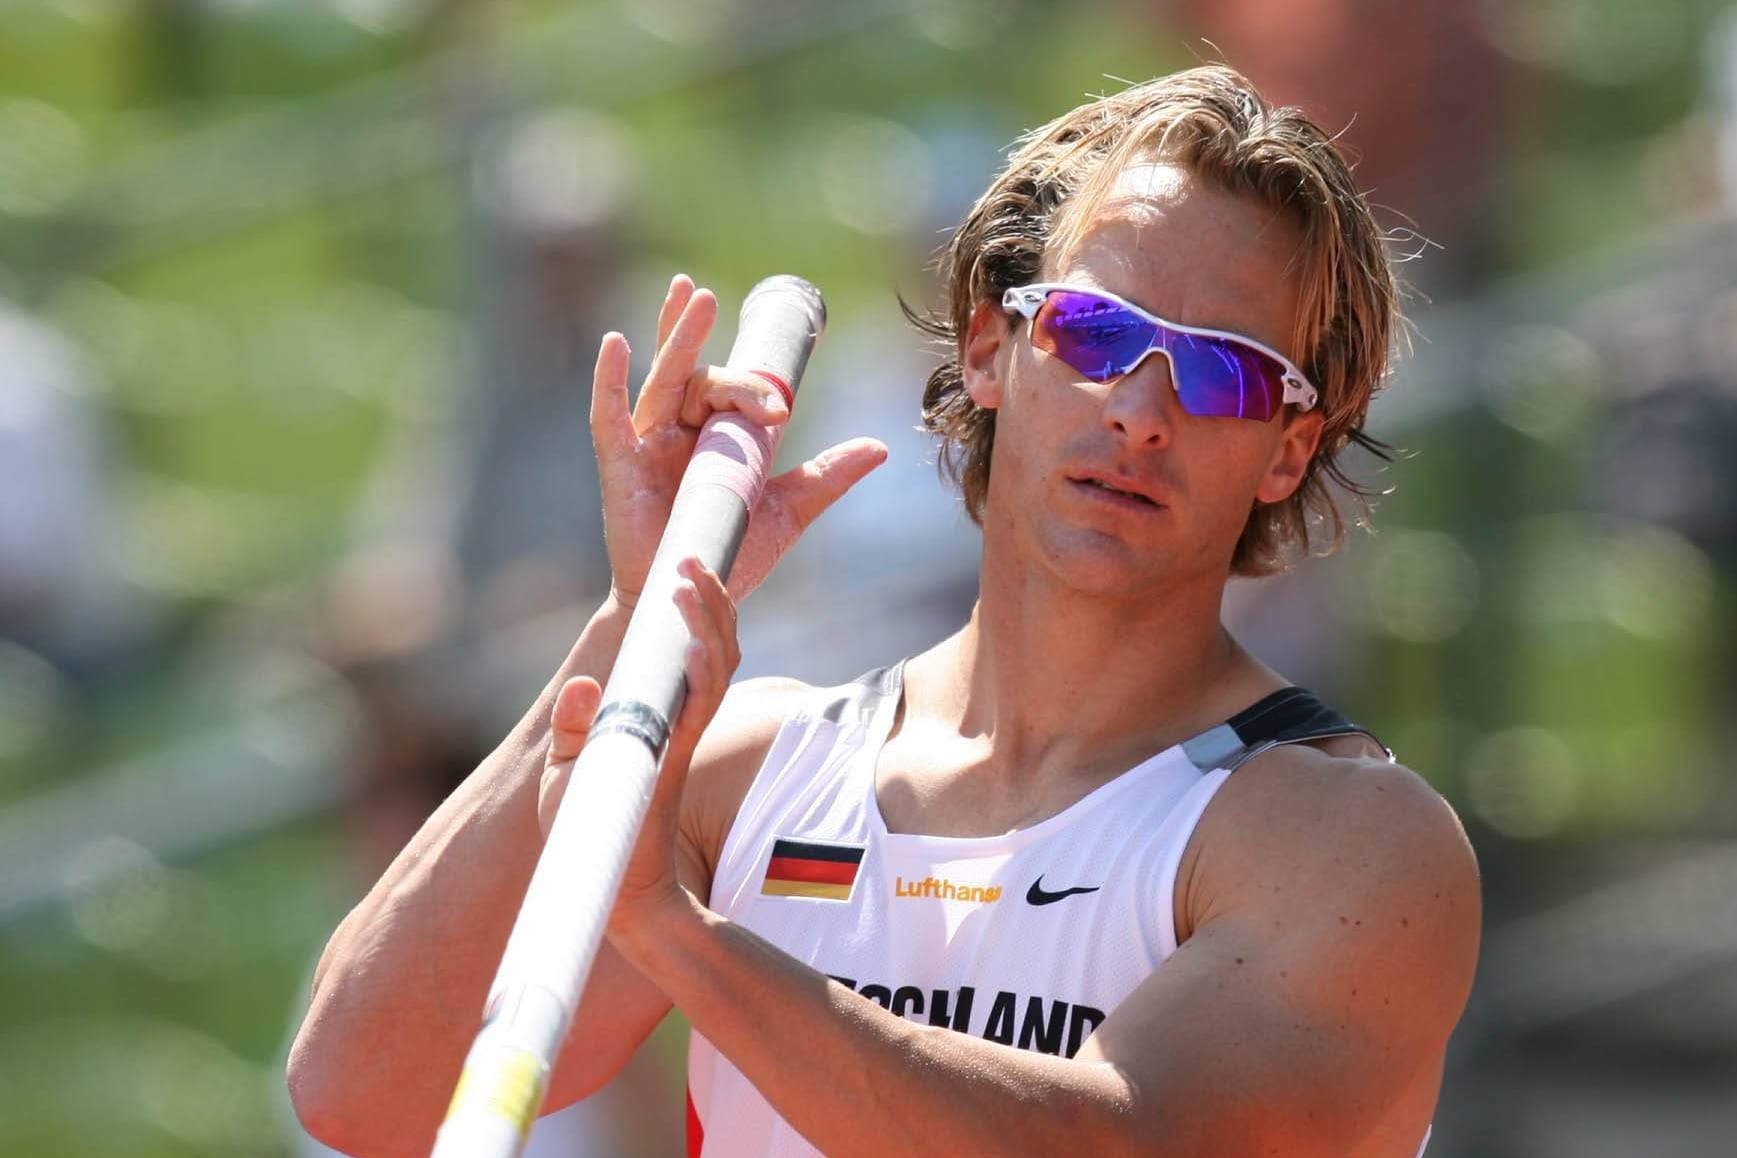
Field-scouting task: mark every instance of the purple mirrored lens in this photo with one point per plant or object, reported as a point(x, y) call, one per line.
point(1098, 338)
point(1216, 378)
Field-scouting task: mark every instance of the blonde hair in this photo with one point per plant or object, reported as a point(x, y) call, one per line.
point(1212, 122)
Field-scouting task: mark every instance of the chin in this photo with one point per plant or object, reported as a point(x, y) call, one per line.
point(1098, 564)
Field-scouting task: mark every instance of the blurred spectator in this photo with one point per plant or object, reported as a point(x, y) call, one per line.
point(53, 488)
point(1417, 91)
point(1722, 81)
point(551, 188)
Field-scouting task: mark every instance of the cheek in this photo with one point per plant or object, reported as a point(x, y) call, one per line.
point(1228, 466)
point(1018, 450)
point(1037, 412)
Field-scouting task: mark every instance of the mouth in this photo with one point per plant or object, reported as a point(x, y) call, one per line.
point(1103, 491)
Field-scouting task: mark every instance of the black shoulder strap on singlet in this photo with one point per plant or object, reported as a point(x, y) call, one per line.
point(1288, 716)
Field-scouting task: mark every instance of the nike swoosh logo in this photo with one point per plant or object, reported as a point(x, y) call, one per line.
point(1036, 895)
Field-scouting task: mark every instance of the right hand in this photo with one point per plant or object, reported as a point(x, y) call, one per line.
point(641, 454)
point(651, 875)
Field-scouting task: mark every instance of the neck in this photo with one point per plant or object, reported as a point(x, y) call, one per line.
point(1044, 672)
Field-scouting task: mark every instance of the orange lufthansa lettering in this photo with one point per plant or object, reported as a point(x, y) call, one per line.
point(939, 888)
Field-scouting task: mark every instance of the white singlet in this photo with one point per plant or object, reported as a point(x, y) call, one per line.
point(1029, 939)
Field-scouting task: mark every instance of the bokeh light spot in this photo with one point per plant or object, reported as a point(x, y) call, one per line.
point(556, 170)
point(682, 21)
point(876, 176)
point(1523, 782)
point(41, 157)
point(1541, 380)
point(31, 697)
point(117, 893)
point(1605, 42)
point(1653, 582)
point(961, 24)
point(1422, 586)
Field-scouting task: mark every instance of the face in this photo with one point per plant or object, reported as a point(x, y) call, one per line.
point(1192, 254)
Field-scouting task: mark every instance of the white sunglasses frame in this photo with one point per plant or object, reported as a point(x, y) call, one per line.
point(1026, 300)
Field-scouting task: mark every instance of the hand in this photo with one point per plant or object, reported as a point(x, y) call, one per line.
point(711, 660)
point(641, 454)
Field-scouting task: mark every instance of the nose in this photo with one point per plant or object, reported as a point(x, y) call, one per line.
point(1141, 405)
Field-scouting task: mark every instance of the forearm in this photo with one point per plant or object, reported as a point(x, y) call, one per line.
point(854, 1078)
point(400, 987)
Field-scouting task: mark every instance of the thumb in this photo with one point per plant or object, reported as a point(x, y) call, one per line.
point(806, 491)
point(795, 499)
point(569, 724)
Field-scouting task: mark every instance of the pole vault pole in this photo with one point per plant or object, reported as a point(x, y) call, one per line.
point(566, 907)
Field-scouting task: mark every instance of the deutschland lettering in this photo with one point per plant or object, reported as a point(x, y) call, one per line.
point(945, 890)
point(1042, 1024)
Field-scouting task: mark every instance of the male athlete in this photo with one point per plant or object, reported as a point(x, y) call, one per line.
point(1006, 896)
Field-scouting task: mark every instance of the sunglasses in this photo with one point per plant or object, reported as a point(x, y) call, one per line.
point(1217, 374)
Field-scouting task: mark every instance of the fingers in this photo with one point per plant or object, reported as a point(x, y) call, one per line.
point(795, 499)
point(681, 288)
point(611, 423)
point(804, 492)
point(660, 399)
point(713, 654)
point(570, 722)
point(678, 389)
point(711, 616)
point(712, 388)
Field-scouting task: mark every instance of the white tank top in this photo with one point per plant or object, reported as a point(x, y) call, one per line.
point(1029, 939)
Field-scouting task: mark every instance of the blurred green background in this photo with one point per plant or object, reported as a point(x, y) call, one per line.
point(298, 300)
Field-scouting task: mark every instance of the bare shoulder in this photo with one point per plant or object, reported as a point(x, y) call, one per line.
point(1333, 819)
point(1322, 843)
point(1317, 804)
point(729, 754)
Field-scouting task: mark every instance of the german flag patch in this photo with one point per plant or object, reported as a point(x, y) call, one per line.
point(807, 868)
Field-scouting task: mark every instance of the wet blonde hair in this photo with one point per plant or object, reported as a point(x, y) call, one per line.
point(1211, 122)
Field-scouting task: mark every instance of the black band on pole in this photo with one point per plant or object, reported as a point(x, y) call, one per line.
point(637, 719)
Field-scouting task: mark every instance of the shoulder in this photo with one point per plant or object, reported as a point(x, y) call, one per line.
point(730, 753)
point(749, 717)
point(1327, 839)
point(1319, 797)
point(1335, 927)
point(1341, 817)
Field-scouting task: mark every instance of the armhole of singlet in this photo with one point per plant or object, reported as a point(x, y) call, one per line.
point(869, 690)
point(1186, 817)
point(1220, 751)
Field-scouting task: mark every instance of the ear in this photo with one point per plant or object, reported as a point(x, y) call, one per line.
point(1301, 435)
point(987, 335)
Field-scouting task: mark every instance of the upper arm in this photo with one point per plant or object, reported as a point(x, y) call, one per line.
point(1335, 915)
point(620, 1007)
